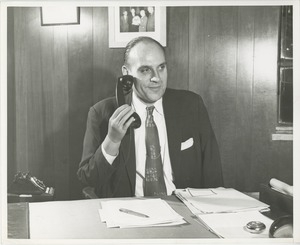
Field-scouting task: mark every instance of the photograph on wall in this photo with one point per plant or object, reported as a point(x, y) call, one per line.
point(137, 19)
point(127, 22)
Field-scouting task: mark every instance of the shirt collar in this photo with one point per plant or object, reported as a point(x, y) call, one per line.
point(140, 106)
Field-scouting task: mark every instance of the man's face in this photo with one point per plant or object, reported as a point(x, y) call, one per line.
point(147, 63)
point(150, 10)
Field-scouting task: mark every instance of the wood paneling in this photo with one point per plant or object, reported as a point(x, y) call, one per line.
point(47, 61)
point(22, 70)
point(35, 95)
point(107, 62)
point(60, 94)
point(226, 54)
point(213, 63)
point(11, 98)
point(244, 93)
point(197, 47)
point(80, 63)
point(177, 52)
point(220, 79)
point(264, 93)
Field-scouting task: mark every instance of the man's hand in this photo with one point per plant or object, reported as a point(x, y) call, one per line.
point(117, 128)
point(118, 123)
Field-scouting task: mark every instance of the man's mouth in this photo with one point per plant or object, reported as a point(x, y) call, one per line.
point(155, 89)
point(154, 86)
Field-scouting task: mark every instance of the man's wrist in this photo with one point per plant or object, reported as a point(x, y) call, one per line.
point(110, 147)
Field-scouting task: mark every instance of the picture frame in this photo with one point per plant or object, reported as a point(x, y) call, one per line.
point(53, 15)
point(123, 29)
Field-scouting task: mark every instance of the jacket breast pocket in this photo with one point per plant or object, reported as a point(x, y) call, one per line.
point(188, 151)
point(187, 144)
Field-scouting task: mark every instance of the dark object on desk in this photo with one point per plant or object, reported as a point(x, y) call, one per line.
point(27, 188)
point(282, 227)
point(280, 203)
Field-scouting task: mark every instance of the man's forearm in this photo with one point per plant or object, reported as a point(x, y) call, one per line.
point(95, 169)
point(110, 147)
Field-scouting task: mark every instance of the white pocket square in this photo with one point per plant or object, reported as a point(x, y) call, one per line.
point(187, 144)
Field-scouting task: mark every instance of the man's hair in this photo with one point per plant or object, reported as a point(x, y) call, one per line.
point(136, 41)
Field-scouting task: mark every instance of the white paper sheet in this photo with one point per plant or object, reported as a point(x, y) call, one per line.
point(159, 212)
point(231, 225)
point(218, 200)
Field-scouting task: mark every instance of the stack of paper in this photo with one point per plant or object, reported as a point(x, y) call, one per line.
point(232, 225)
point(225, 212)
point(138, 213)
point(218, 200)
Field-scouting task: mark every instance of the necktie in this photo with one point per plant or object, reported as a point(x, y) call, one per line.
point(154, 177)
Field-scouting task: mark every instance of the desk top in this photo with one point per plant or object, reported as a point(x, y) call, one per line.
point(80, 220)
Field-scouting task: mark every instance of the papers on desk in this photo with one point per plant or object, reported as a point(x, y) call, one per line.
point(225, 212)
point(218, 200)
point(231, 225)
point(138, 213)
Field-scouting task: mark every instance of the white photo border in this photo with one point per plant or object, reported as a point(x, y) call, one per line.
point(169, 3)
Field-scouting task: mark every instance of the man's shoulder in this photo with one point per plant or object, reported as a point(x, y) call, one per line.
point(182, 101)
point(108, 104)
point(182, 96)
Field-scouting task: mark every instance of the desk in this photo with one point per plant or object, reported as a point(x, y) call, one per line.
point(80, 219)
point(12, 198)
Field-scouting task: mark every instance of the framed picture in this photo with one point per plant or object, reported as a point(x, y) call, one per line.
point(128, 22)
point(57, 15)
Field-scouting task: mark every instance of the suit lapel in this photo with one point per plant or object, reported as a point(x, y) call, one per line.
point(173, 130)
point(127, 149)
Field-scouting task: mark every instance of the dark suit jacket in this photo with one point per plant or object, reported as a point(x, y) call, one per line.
point(151, 22)
point(124, 24)
point(186, 117)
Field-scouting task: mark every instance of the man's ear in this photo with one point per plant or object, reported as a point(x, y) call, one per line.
point(124, 70)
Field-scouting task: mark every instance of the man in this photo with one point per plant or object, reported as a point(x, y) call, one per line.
point(124, 23)
point(135, 21)
point(144, 20)
point(115, 156)
point(151, 19)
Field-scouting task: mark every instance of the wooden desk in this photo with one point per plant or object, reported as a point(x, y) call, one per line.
point(17, 220)
point(13, 198)
point(80, 219)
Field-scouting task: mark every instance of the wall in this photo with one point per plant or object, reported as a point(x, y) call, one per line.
point(226, 54)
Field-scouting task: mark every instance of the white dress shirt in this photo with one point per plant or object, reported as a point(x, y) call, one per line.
point(140, 146)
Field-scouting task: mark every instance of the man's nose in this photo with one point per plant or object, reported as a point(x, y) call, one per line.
point(155, 77)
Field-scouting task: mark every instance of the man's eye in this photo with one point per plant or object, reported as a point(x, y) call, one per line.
point(145, 70)
point(162, 67)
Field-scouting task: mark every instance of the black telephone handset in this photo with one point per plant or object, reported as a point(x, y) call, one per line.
point(123, 87)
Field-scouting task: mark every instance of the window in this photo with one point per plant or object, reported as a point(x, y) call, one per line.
point(285, 67)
